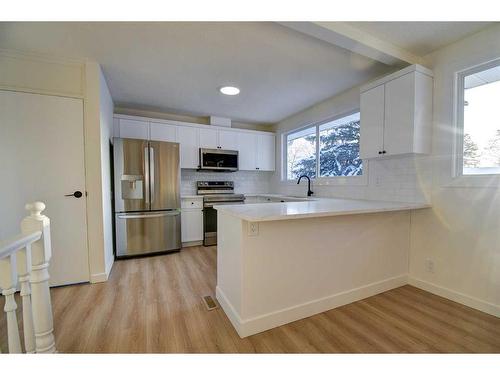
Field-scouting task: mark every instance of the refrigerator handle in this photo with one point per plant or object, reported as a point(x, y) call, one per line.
point(146, 174)
point(152, 172)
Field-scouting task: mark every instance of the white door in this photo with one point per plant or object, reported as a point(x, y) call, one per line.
point(162, 132)
point(265, 152)
point(247, 147)
point(228, 140)
point(187, 136)
point(399, 115)
point(372, 123)
point(208, 138)
point(42, 159)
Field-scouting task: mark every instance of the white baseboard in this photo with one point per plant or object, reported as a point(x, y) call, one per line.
point(248, 327)
point(104, 276)
point(455, 296)
point(98, 277)
point(109, 265)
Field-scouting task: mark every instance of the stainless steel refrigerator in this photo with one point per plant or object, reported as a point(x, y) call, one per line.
point(147, 197)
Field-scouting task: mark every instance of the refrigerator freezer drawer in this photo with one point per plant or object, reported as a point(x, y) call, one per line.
point(142, 233)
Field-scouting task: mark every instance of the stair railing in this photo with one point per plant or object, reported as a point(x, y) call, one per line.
point(24, 261)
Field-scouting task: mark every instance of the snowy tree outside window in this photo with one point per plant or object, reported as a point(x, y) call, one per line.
point(338, 149)
point(481, 122)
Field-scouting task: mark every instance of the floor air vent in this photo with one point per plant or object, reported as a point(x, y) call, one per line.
point(209, 303)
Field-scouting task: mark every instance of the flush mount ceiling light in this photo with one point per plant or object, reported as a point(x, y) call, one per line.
point(229, 90)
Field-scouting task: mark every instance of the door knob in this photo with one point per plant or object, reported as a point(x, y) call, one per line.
point(76, 194)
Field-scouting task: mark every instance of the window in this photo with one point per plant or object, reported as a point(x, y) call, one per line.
point(338, 149)
point(479, 119)
point(301, 153)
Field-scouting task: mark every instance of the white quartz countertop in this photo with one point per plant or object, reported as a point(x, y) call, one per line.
point(315, 207)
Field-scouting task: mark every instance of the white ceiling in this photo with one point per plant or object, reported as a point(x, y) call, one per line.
point(180, 66)
point(420, 38)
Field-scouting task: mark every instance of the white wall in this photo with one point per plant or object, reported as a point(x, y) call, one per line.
point(404, 178)
point(106, 121)
point(35, 73)
point(461, 233)
point(98, 129)
point(248, 182)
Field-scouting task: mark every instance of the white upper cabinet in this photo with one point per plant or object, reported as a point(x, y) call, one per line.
point(228, 140)
point(256, 149)
point(163, 132)
point(247, 151)
point(396, 114)
point(187, 136)
point(265, 152)
point(372, 122)
point(209, 138)
point(132, 129)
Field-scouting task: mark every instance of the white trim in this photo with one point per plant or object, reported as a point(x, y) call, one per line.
point(455, 296)
point(98, 278)
point(104, 276)
point(109, 266)
point(458, 178)
point(248, 327)
point(395, 75)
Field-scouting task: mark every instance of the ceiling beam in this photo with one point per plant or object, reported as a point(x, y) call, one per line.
point(346, 36)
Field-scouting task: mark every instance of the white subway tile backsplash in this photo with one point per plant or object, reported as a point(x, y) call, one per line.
point(248, 182)
point(402, 179)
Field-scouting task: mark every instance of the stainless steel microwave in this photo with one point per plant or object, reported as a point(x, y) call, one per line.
point(218, 160)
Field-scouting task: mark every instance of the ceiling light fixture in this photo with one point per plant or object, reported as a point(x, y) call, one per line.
point(229, 90)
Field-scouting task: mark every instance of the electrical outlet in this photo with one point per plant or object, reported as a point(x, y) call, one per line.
point(253, 229)
point(429, 265)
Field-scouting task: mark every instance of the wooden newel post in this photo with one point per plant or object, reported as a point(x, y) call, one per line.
point(39, 278)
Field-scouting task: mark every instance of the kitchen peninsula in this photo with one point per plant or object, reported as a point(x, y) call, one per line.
point(280, 262)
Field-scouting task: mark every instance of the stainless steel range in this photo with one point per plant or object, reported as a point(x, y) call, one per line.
point(215, 193)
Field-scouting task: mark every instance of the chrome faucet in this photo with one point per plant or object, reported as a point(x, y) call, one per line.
point(309, 191)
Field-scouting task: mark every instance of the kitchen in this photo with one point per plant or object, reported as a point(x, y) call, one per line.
point(221, 212)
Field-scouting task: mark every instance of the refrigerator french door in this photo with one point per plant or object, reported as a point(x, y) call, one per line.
point(147, 197)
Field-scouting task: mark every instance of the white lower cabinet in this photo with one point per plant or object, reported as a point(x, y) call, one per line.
point(191, 220)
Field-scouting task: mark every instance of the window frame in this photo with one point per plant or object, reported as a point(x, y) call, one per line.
point(326, 180)
point(458, 177)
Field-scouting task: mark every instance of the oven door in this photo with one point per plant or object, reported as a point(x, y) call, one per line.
point(210, 221)
point(209, 226)
point(219, 160)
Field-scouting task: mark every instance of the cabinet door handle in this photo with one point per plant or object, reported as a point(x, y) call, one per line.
point(380, 152)
point(383, 152)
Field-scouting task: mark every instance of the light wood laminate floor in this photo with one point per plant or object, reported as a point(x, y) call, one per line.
point(154, 305)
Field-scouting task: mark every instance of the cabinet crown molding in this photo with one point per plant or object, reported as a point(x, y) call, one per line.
point(399, 73)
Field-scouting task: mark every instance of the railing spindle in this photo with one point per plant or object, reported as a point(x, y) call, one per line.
point(39, 278)
point(23, 268)
point(8, 281)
